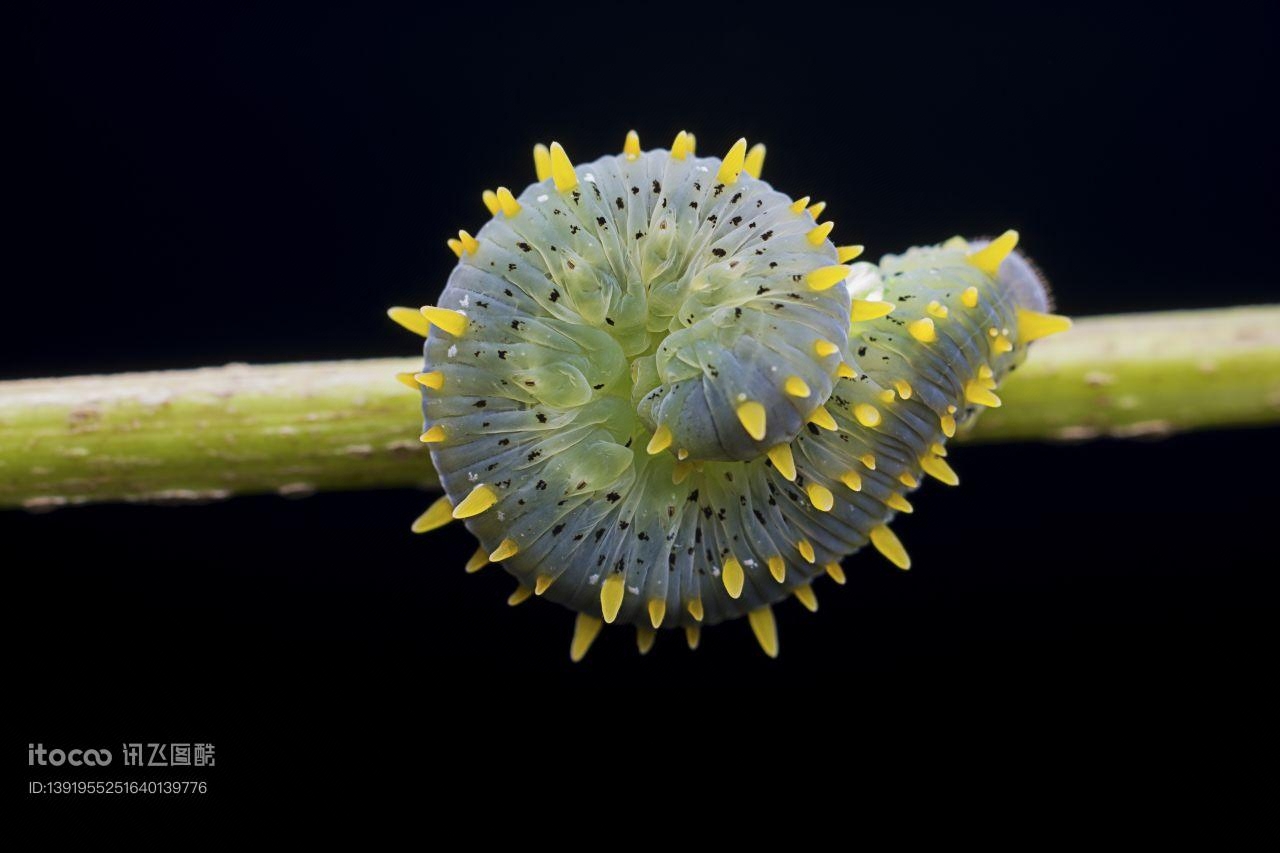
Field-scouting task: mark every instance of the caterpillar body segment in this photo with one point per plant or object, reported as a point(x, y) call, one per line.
point(661, 396)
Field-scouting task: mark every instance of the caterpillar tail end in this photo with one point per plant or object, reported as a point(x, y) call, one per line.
point(1001, 260)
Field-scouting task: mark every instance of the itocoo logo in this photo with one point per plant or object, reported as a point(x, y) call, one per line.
point(38, 755)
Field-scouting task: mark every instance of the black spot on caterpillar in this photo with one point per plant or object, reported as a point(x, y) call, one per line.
point(723, 406)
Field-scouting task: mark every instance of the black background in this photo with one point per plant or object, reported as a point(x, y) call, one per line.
point(203, 184)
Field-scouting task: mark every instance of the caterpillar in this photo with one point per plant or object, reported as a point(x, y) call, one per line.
point(660, 395)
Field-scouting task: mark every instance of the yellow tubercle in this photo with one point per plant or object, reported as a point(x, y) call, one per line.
point(435, 434)
point(939, 470)
point(798, 206)
point(835, 572)
point(542, 583)
point(645, 638)
point(815, 210)
point(541, 161)
point(407, 380)
point(562, 173)
point(480, 499)
point(825, 348)
point(867, 414)
point(923, 330)
point(437, 515)
point(976, 392)
point(777, 568)
point(819, 233)
point(731, 166)
point(432, 379)
point(660, 441)
point(937, 309)
point(796, 387)
point(692, 635)
point(804, 594)
point(869, 460)
point(820, 496)
point(969, 298)
point(631, 145)
point(752, 417)
point(888, 544)
point(520, 596)
point(680, 147)
point(657, 612)
point(765, 629)
point(733, 577)
point(470, 245)
point(862, 310)
point(478, 561)
point(611, 593)
point(754, 164)
point(805, 547)
point(990, 256)
point(411, 319)
point(783, 461)
point(694, 606)
point(822, 418)
point(903, 388)
point(506, 201)
point(948, 424)
point(844, 254)
point(455, 246)
point(852, 480)
point(898, 502)
point(845, 371)
point(824, 278)
point(445, 319)
point(490, 199)
point(908, 479)
point(585, 630)
point(506, 549)
point(1034, 325)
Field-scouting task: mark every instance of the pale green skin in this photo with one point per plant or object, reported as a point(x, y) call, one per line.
point(650, 294)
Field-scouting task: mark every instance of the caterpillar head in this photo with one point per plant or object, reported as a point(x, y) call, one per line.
point(659, 394)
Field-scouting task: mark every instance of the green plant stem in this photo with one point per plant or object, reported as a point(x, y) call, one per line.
point(293, 429)
point(201, 435)
point(1131, 375)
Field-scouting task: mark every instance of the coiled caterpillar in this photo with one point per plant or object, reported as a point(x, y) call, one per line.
point(658, 394)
